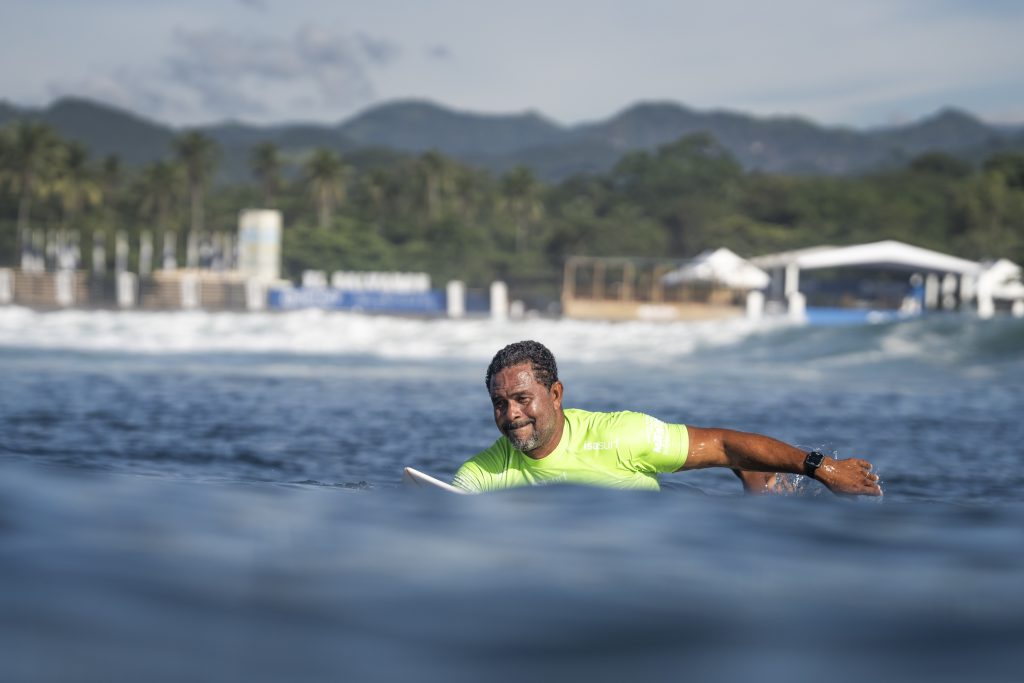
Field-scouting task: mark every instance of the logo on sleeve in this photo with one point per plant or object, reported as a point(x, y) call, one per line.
point(657, 434)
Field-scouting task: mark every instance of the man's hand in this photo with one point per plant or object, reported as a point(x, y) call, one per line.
point(851, 476)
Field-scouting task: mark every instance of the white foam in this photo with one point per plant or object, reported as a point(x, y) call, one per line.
point(338, 333)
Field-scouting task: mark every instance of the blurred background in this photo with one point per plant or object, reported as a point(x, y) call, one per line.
point(486, 142)
point(256, 255)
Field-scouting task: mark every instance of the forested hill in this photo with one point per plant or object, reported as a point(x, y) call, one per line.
point(553, 152)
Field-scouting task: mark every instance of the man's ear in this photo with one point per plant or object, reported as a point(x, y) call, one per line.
point(557, 391)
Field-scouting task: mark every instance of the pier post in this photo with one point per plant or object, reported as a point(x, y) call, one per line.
point(499, 301)
point(127, 289)
point(755, 305)
point(6, 286)
point(792, 281)
point(797, 307)
point(64, 287)
point(456, 296)
point(986, 304)
point(189, 291)
point(255, 294)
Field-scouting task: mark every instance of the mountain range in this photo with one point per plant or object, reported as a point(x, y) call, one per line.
point(786, 145)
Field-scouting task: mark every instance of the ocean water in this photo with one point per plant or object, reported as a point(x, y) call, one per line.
point(217, 497)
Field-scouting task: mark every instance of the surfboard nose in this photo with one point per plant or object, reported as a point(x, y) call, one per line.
point(416, 479)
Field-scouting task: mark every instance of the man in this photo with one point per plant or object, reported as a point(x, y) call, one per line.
point(542, 443)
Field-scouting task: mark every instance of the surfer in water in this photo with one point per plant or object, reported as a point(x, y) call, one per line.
point(542, 443)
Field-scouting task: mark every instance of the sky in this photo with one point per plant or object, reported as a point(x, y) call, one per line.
point(863, 64)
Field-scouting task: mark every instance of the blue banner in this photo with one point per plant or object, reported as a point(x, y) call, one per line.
point(431, 302)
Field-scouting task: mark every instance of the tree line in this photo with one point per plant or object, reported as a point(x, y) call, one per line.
point(431, 213)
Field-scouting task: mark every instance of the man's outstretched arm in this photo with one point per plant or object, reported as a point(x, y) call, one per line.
point(758, 453)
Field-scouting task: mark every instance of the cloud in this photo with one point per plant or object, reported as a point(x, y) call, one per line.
point(439, 52)
point(380, 52)
point(254, 4)
point(221, 74)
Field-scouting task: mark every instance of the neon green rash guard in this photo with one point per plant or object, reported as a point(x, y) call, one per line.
point(622, 450)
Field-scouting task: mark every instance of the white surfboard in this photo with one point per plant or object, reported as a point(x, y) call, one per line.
point(417, 479)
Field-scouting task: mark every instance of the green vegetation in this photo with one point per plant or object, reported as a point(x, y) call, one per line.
point(432, 213)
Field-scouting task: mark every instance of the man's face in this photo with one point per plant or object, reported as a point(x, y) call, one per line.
point(526, 411)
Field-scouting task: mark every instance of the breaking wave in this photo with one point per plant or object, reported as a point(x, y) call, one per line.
point(945, 339)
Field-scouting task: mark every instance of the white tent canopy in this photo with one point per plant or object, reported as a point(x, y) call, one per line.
point(720, 266)
point(884, 254)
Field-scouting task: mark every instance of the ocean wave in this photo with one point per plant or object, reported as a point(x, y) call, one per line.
point(339, 333)
point(947, 339)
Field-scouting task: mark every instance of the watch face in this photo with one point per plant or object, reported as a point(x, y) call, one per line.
point(814, 459)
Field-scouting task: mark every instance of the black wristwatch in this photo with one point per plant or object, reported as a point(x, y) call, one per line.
point(812, 462)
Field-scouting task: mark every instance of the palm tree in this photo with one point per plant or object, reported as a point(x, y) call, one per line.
point(110, 177)
point(77, 188)
point(327, 175)
point(265, 163)
point(75, 183)
point(374, 185)
point(520, 197)
point(157, 185)
point(31, 153)
point(198, 155)
point(436, 173)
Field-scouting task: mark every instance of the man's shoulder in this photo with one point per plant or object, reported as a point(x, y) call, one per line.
point(595, 419)
point(625, 427)
point(647, 443)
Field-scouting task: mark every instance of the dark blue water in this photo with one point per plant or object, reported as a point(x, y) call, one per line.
point(218, 514)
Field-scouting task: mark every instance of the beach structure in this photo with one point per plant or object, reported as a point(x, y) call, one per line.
point(716, 284)
point(231, 272)
point(925, 280)
point(722, 267)
point(856, 283)
point(1000, 285)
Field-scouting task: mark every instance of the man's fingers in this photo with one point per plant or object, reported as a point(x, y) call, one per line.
point(854, 477)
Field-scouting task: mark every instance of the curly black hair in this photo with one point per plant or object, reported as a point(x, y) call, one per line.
point(545, 370)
